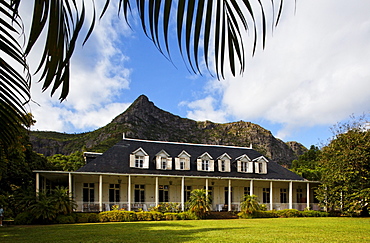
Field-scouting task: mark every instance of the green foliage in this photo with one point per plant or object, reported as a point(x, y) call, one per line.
point(167, 207)
point(171, 216)
point(86, 217)
point(288, 213)
point(312, 213)
point(70, 162)
point(24, 218)
point(118, 216)
point(250, 204)
point(285, 213)
point(65, 219)
point(199, 203)
point(307, 164)
point(45, 207)
point(346, 171)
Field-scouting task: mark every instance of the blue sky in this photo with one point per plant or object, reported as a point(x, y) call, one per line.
point(313, 73)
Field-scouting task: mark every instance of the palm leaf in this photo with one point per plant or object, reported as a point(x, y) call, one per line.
point(14, 86)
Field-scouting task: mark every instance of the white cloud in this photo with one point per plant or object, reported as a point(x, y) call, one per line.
point(204, 109)
point(98, 77)
point(314, 70)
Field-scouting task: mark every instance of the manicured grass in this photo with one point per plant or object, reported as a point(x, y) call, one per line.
point(242, 230)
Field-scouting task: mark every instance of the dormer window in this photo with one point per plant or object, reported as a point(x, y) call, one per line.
point(260, 164)
point(182, 161)
point(139, 159)
point(224, 163)
point(244, 164)
point(163, 161)
point(205, 162)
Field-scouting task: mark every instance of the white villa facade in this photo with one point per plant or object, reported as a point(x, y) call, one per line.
point(139, 174)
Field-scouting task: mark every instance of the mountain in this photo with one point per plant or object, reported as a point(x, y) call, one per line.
point(143, 120)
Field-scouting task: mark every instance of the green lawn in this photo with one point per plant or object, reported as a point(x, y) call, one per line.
point(239, 230)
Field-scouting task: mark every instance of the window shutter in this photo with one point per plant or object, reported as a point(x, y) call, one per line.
point(146, 162)
point(219, 164)
point(239, 165)
point(132, 160)
point(250, 167)
point(169, 163)
point(227, 165)
point(177, 163)
point(211, 165)
point(199, 164)
point(158, 162)
point(256, 168)
point(187, 163)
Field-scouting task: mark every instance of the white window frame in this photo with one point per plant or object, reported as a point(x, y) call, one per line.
point(226, 159)
point(163, 161)
point(135, 158)
point(205, 163)
point(241, 167)
point(182, 157)
point(261, 165)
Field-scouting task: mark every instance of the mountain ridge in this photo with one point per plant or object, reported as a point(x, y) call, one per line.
point(143, 120)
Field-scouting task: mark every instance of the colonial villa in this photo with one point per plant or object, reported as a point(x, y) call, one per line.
point(138, 174)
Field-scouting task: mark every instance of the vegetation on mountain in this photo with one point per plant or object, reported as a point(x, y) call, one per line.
point(143, 120)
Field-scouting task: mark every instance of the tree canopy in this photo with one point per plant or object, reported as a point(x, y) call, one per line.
point(345, 163)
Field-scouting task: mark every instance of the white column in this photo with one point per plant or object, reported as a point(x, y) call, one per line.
point(251, 188)
point(156, 191)
point(229, 202)
point(182, 194)
point(101, 193)
point(271, 196)
point(37, 183)
point(308, 195)
point(291, 195)
point(70, 185)
point(207, 187)
point(129, 193)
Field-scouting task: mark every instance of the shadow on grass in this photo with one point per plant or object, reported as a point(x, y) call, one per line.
point(174, 231)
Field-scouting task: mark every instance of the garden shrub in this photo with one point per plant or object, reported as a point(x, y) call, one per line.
point(157, 215)
point(118, 216)
point(24, 218)
point(171, 216)
point(93, 218)
point(65, 219)
point(265, 214)
point(312, 213)
point(288, 213)
point(86, 218)
point(144, 216)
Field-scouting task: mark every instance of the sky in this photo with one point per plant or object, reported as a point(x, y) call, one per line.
point(313, 73)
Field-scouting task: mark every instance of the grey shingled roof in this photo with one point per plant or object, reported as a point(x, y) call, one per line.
point(116, 160)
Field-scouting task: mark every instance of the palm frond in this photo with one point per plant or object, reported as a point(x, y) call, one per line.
point(14, 86)
point(216, 27)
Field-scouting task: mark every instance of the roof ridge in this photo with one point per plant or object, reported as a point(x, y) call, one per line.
point(196, 144)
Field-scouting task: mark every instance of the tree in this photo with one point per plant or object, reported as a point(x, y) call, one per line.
point(307, 164)
point(212, 32)
point(250, 204)
point(346, 170)
point(70, 162)
point(199, 203)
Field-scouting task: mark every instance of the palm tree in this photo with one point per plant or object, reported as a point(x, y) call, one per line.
point(199, 203)
point(250, 204)
point(212, 32)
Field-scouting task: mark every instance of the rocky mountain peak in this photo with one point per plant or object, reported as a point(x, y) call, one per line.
point(143, 120)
